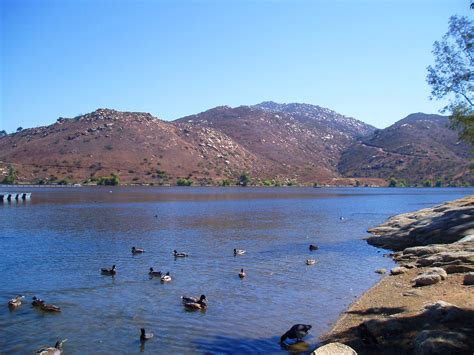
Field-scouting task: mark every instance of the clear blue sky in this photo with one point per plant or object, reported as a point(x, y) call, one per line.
point(365, 59)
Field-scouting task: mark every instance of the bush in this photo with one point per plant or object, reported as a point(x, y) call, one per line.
point(11, 177)
point(225, 182)
point(184, 182)
point(109, 180)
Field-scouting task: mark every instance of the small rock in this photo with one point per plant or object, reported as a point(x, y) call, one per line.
point(412, 293)
point(469, 279)
point(381, 271)
point(440, 342)
point(398, 270)
point(437, 270)
point(426, 279)
point(334, 349)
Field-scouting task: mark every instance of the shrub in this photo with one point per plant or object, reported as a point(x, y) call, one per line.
point(184, 182)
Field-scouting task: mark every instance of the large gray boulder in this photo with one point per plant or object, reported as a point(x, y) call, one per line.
point(442, 224)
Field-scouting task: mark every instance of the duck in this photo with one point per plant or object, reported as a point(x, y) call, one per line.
point(239, 252)
point(137, 250)
point(242, 274)
point(191, 299)
point(57, 350)
point(166, 278)
point(16, 301)
point(145, 336)
point(111, 271)
point(154, 273)
point(180, 254)
point(310, 261)
point(49, 308)
point(313, 247)
point(37, 302)
point(298, 331)
point(200, 304)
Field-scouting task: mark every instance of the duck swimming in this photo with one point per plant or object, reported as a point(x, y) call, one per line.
point(199, 304)
point(180, 254)
point(242, 274)
point(154, 273)
point(37, 302)
point(145, 336)
point(298, 331)
point(16, 301)
point(137, 250)
point(190, 299)
point(110, 272)
point(49, 308)
point(166, 278)
point(239, 252)
point(310, 261)
point(57, 350)
point(313, 247)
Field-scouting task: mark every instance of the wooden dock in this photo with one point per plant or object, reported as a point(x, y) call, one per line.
point(14, 196)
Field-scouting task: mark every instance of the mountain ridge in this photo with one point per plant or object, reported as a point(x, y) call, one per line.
point(281, 143)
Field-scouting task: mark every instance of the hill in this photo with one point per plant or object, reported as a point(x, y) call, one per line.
point(414, 149)
point(272, 143)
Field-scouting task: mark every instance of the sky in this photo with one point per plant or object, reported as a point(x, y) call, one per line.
point(366, 59)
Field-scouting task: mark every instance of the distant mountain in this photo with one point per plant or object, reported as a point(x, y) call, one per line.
point(416, 148)
point(296, 141)
point(322, 119)
point(283, 143)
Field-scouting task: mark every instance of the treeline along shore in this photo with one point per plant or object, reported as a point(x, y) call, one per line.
point(425, 305)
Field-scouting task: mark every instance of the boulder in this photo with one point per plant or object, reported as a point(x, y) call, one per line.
point(398, 270)
point(437, 270)
point(334, 349)
point(426, 279)
point(381, 271)
point(440, 342)
point(469, 279)
point(441, 311)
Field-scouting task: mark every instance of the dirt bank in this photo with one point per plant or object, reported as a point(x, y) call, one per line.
point(397, 316)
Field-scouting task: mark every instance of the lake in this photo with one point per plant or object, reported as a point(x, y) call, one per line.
point(55, 245)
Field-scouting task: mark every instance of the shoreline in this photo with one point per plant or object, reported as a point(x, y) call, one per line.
point(394, 316)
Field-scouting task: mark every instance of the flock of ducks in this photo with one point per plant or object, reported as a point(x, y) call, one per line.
point(297, 331)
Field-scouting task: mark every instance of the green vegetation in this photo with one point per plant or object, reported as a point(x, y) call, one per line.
point(112, 180)
point(19, 129)
point(184, 182)
point(398, 183)
point(225, 182)
point(427, 183)
point(11, 177)
point(451, 76)
point(3, 133)
point(244, 180)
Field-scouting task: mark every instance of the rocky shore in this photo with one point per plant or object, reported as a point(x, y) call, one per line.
point(426, 304)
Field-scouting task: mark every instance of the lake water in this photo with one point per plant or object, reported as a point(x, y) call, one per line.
point(54, 246)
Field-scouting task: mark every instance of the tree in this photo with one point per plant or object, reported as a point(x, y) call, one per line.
point(19, 129)
point(11, 177)
point(452, 76)
point(244, 180)
point(3, 133)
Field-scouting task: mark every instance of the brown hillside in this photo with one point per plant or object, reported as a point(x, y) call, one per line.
point(414, 149)
point(137, 146)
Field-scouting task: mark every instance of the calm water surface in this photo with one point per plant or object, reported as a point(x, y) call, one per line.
point(54, 246)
